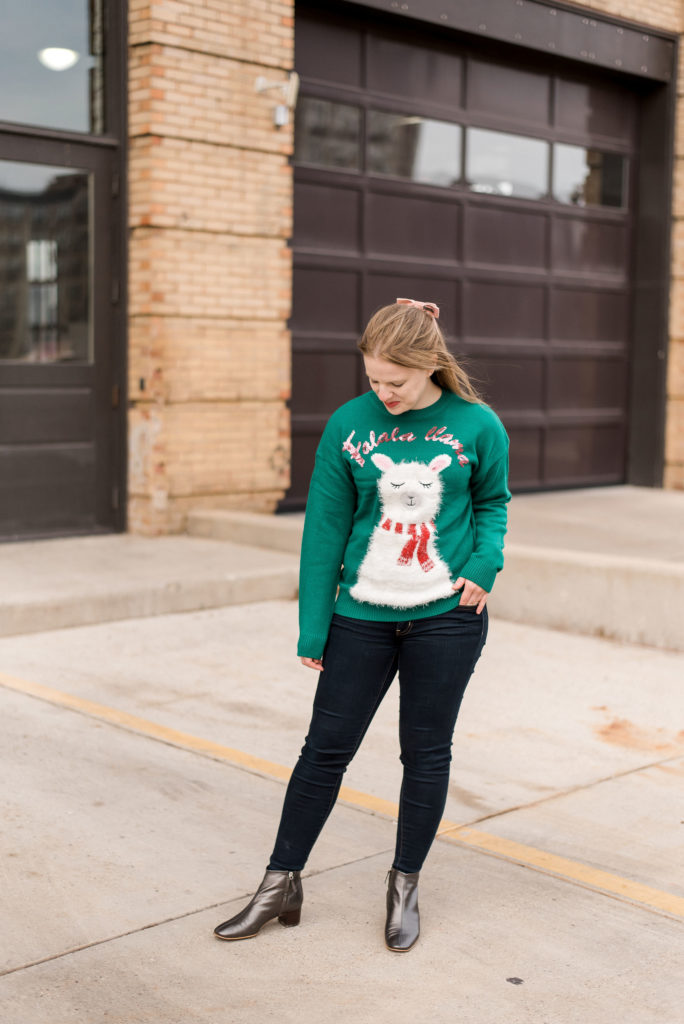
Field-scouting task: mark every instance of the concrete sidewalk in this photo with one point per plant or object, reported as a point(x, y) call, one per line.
point(144, 763)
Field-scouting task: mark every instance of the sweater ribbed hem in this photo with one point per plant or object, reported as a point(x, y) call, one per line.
point(346, 605)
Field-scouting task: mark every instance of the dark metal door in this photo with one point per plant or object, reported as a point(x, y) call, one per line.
point(58, 305)
point(441, 171)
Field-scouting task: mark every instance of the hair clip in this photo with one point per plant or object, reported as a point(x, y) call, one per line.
point(427, 307)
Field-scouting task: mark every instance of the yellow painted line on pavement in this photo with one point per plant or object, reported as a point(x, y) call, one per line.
point(449, 831)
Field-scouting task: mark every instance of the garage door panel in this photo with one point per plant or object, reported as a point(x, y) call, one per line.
point(591, 108)
point(329, 49)
point(496, 89)
point(508, 383)
point(588, 315)
point(404, 68)
point(579, 454)
point(525, 455)
point(508, 238)
point(588, 383)
point(580, 245)
point(328, 217)
point(325, 300)
point(409, 226)
point(323, 380)
point(498, 310)
point(305, 440)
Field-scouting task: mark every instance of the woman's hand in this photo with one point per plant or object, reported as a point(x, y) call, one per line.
point(314, 663)
point(472, 594)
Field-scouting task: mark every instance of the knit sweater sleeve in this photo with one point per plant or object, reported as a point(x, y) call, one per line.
point(489, 496)
point(327, 525)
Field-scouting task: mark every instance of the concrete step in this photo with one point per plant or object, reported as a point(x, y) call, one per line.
point(603, 561)
point(280, 532)
point(54, 584)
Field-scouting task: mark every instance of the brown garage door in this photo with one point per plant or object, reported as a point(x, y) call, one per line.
point(438, 170)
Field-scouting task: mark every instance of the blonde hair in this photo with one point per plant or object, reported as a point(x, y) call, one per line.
point(411, 337)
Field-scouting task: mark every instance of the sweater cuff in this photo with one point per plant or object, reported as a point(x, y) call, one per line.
point(310, 645)
point(481, 571)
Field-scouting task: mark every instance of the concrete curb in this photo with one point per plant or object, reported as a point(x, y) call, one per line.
point(282, 533)
point(114, 604)
point(636, 600)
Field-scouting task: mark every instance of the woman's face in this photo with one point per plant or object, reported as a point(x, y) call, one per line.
point(400, 388)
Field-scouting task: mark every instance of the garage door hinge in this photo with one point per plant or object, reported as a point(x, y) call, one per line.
point(115, 289)
point(116, 184)
point(116, 396)
point(115, 497)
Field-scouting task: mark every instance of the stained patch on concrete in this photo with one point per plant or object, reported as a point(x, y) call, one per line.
point(622, 733)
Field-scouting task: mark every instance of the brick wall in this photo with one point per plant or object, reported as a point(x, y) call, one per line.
point(210, 270)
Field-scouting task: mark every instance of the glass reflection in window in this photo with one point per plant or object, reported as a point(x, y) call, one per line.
point(414, 147)
point(328, 134)
point(51, 64)
point(45, 243)
point(586, 177)
point(506, 165)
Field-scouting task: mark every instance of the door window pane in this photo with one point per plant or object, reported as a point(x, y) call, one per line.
point(414, 147)
point(506, 165)
point(586, 177)
point(45, 260)
point(51, 63)
point(328, 134)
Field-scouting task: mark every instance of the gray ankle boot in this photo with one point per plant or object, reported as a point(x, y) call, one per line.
point(279, 895)
point(403, 920)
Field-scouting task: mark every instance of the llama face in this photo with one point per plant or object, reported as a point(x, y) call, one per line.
point(410, 491)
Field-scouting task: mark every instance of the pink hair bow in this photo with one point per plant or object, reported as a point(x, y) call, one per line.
point(427, 307)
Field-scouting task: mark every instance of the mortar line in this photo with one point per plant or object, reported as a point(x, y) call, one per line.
point(560, 867)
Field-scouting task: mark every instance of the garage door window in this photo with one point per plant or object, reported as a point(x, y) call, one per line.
point(328, 134)
point(507, 165)
point(413, 147)
point(587, 177)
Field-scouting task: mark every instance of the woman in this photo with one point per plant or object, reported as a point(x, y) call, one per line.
point(402, 541)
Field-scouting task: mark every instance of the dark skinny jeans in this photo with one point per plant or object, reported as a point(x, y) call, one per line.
point(435, 658)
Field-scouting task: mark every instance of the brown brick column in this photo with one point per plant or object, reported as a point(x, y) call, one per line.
point(210, 269)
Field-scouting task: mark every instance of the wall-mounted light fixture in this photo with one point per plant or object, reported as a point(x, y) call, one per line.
point(289, 90)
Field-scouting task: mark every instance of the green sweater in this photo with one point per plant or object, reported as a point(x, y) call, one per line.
point(399, 507)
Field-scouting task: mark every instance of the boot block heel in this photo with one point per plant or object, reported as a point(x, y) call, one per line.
point(291, 918)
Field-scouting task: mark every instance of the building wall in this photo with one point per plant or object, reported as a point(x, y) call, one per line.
point(668, 15)
point(209, 272)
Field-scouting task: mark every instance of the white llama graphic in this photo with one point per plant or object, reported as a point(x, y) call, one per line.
point(402, 567)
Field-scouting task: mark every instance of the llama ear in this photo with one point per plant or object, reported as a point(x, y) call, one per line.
point(440, 462)
point(383, 462)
